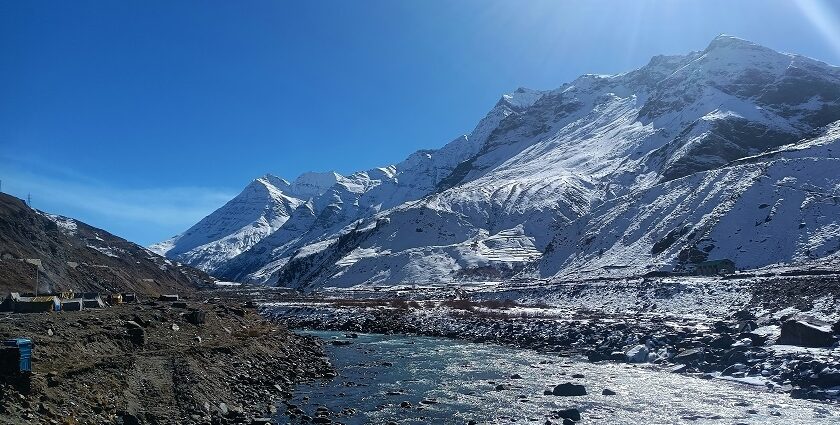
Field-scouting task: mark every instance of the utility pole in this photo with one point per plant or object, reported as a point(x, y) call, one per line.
point(37, 263)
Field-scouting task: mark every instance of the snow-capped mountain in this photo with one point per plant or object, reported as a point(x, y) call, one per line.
point(780, 206)
point(261, 209)
point(654, 169)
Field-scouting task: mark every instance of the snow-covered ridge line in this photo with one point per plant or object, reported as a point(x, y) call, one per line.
point(716, 154)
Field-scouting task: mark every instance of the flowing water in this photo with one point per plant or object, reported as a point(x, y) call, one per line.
point(448, 381)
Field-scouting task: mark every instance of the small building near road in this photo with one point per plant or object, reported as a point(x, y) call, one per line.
point(93, 303)
point(72, 304)
point(92, 300)
point(39, 304)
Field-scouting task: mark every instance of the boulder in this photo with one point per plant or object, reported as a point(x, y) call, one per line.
point(828, 377)
point(721, 327)
point(804, 334)
point(743, 315)
point(723, 341)
point(678, 369)
point(128, 418)
point(735, 355)
point(569, 390)
point(572, 414)
point(637, 354)
point(757, 340)
point(747, 326)
point(196, 317)
point(137, 336)
point(690, 356)
point(731, 370)
point(607, 391)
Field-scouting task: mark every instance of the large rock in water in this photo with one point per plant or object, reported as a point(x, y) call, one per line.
point(569, 389)
point(573, 414)
point(803, 334)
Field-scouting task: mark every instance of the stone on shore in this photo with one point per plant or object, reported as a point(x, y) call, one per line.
point(804, 334)
point(637, 354)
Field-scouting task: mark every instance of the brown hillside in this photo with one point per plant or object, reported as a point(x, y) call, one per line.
point(79, 257)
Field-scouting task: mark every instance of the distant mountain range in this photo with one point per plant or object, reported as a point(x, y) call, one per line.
point(727, 153)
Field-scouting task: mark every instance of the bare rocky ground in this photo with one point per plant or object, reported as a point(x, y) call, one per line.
point(156, 363)
point(776, 331)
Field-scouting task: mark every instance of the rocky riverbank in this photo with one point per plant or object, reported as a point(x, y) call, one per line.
point(784, 349)
point(200, 361)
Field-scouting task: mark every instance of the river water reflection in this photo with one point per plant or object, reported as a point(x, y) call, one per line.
point(447, 381)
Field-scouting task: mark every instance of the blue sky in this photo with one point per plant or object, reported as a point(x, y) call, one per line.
point(141, 117)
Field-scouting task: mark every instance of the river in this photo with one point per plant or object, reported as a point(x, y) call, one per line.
point(449, 381)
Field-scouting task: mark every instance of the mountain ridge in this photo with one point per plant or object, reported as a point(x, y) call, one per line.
point(495, 204)
point(75, 256)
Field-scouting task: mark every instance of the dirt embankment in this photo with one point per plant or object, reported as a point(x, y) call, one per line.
point(156, 363)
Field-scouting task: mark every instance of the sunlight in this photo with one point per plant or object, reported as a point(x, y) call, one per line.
point(824, 19)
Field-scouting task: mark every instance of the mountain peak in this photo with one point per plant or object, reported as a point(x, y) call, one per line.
point(729, 42)
point(312, 184)
point(521, 98)
point(275, 181)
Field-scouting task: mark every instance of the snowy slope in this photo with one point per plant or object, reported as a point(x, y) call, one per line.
point(253, 214)
point(781, 207)
point(582, 179)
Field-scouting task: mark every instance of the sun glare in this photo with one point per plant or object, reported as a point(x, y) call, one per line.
point(824, 20)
